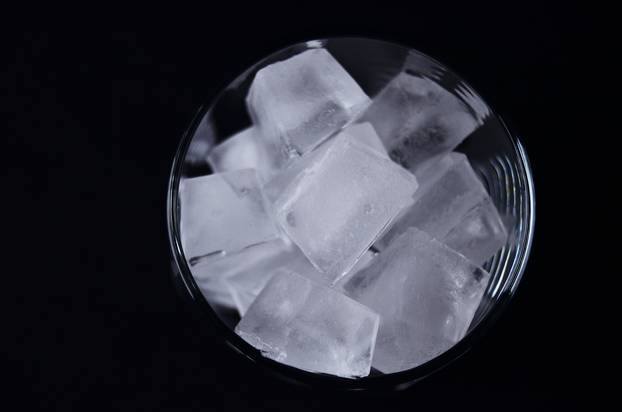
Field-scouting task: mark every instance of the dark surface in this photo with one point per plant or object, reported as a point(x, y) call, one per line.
point(92, 318)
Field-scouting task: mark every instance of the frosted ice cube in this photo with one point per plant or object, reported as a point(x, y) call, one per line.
point(480, 233)
point(363, 133)
point(244, 150)
point(448, 191)
point(418, 120)
point(426, 295)
point(303, 324)
point(301, 101)
point(223, 212)
point(337, 207)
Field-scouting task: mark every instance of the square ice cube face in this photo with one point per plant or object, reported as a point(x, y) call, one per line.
point(426, 295)
point(301, 323)
point(448, 190)
point(223, 212)
point(480, 233)
point(301, 101)
point(337, 207)
point(244, 150)
point(418, 120)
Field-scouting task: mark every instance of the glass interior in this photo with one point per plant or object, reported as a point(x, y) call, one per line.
point(493, 151)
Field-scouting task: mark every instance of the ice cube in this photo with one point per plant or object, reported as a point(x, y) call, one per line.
point(363, 133)
point(418, 120)
point(212, 282)
point(480, 233)
point(337, 207)
point(301, 101)
point(235, 279)
point(244, 150)
point(303, 324)
point(223, 212)
point(362, 263)
point(426, 295)
point(366, 134)
point(248, 272)
point(448, 191)
point(288, 174)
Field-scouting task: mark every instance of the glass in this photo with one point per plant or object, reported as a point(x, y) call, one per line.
point(494, 152)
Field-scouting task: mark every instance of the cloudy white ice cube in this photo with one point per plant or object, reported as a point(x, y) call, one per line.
point(300, 101)
point(418, 120)
point(426, 295)
point(340, 204)
point(301, 323)
point(223, 212)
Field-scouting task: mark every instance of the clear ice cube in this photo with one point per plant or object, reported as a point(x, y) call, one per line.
point(448, 195)
point(223, 212)
point(337, 207)
point(301, 323)
point(300, 101)
point(426, 295)
point(418, 120)
point(480, 233)
point(244, 150)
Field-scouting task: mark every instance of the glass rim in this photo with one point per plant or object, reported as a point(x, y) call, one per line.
point(397, 380)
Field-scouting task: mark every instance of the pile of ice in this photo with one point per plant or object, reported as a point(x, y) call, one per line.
point(345, 231)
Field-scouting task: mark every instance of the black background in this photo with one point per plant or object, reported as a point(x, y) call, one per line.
point(97, 108)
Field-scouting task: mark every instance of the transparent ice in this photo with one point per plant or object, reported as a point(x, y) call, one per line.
point(451, 196)
point(418, 120)
point(480, 233)
point(301, 101)
point(426, 295)
point(244, 150)
point(337, 207)
point(301, 323)
point(223, 212)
